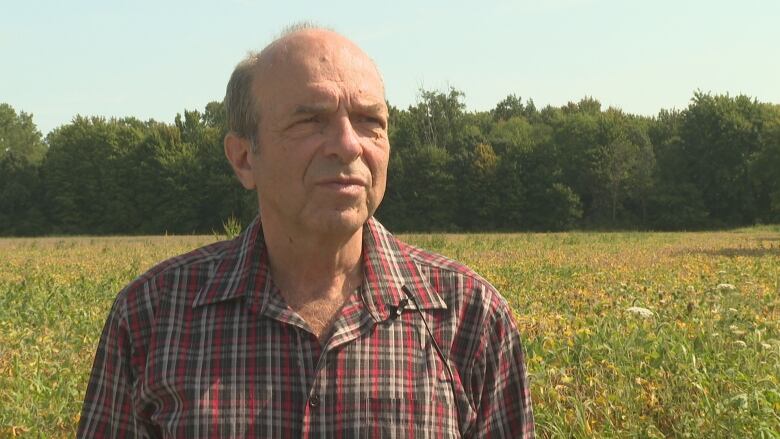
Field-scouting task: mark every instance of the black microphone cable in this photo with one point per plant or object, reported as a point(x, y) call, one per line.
point(398, 309)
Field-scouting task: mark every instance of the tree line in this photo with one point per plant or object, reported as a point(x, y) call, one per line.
point(713, 164)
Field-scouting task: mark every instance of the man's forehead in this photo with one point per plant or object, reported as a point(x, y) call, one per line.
point(316, 52)
point(322, 60)
point(312, 68)
point(310, 41)
point(317, 98)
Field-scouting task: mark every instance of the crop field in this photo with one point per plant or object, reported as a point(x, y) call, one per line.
point(626, 334)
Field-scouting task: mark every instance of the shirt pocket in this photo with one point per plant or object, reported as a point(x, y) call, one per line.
point(232, 409)
point(209, 408)
point(410, 390)
point(412, 417)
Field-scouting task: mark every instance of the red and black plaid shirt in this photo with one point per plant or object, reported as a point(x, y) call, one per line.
point(203, 345)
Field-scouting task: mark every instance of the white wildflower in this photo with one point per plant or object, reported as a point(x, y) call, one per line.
point(725, 287)
point(736, 330)
point(642, 312)
point(740, 343)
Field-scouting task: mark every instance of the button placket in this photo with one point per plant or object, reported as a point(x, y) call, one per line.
point(314, 395)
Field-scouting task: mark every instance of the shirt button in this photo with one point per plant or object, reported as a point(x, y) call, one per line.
point(314, 400)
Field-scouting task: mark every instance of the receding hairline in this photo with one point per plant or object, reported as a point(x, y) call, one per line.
point(264, 60)
point(243, 105)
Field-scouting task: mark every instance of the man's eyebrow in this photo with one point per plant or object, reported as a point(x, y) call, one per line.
point(312, 108)
point(373, 108)
point(325, 107)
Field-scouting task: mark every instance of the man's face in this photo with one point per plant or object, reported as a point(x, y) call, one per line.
point(323, 149)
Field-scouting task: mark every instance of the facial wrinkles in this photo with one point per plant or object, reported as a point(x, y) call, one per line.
point(331, 168)
point(324, 97)
point(331, 64)
point(341, 78)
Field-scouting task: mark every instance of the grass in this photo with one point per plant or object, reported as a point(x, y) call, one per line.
point(706, 364)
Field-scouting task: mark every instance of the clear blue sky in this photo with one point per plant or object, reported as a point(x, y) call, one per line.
point(153, 59)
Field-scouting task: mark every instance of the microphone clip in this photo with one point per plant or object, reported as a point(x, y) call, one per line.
point(396, 310)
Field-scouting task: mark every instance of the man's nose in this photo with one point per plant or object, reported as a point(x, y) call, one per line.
point(345, 143)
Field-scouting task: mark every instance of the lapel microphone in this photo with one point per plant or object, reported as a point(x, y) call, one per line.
point(397, 310)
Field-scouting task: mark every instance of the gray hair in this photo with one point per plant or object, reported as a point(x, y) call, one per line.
point(240, 105)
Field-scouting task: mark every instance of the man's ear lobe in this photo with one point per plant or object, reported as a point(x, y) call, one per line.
point(238, 152)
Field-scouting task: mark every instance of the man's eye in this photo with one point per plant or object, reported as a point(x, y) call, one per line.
point(370, 120)
point(313, 119)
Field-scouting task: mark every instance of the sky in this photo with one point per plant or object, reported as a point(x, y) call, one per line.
point(154, 59)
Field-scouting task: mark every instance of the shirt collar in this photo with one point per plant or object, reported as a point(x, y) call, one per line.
point(387, 269)
point(242, 267)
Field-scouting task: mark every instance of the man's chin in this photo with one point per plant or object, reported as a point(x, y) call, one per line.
point(339, 222)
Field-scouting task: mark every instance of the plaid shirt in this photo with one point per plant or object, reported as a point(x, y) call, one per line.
point(203, 345)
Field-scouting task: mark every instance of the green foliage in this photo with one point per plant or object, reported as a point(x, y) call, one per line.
point(719, 134)
point(19, 137)
point(21, 152)
point(764, 166)
point(715, 163)
point(83, 174)
point(512, 106)
point(513, 134)
point(428, 187)
point(478, 196)
point(231, 228)
point(677, 206)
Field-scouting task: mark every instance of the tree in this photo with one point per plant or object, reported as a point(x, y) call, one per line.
point(19, 190)
point(643, 180)
point(19, 136)
point(439, 116)
point(616, 163)
point(214, 192)
point(719, 134)
point(510, 107)
point(512, 140)
point(675, 202)
point(765, 166)
point(575, 137)
point(426, 187)
point(87, 190)
point(512, 134)
point(478, 194)
point(21, 152)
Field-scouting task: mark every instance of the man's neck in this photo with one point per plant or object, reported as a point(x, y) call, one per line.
point(311, 267)
point(315, 274)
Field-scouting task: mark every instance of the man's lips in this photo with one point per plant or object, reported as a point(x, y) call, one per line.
point(344, 185)
point(343, 181)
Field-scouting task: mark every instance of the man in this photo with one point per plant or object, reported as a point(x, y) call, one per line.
point(316, 321)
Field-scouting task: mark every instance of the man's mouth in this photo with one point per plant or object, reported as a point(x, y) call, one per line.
point(346, 185)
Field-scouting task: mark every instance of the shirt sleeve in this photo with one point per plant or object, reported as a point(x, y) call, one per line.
point(503, 394)
point(108, 410)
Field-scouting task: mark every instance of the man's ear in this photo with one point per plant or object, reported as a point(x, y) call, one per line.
point(238, 152)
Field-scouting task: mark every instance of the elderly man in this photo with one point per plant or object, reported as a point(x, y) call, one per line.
point(315, 321)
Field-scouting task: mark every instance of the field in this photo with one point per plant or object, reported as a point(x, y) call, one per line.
point(704, 362)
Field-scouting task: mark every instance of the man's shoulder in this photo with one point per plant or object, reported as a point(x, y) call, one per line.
point(438, 262)
point(455, 281)
point(193, 268)
point(480, 315)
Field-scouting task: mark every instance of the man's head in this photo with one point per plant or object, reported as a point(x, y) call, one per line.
point(308, 129)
